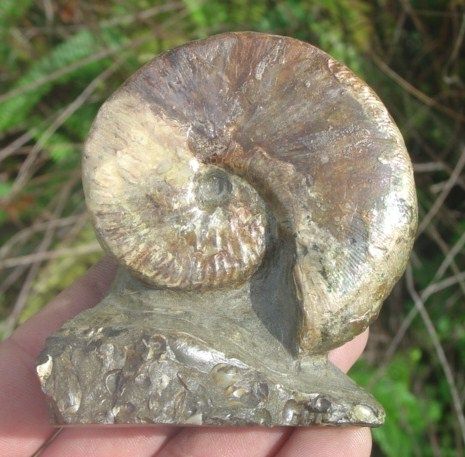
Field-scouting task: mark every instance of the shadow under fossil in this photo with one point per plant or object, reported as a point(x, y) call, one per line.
point(273, 297)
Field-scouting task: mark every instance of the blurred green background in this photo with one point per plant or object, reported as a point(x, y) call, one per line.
point(60, 59)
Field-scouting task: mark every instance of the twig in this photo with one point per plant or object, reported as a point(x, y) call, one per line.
point(428, 101)
point(396, 35)
point(142, 15)
point(445, 249)
point(441, 285)
point(34, 269)
point(125, 19)
point(419, 25)
point(458, 42)
point(407, 321)
point(26, 170)
point(88, 248)
point(448, 259)
point(107, 52)
point(59, 73)
point(419, 139)
point(26, 233)
point(75, 229)
point(435, 13)
point(420, 305)
point(428, 167)
point(11, 279)
point(445, 192)
point(14, 145)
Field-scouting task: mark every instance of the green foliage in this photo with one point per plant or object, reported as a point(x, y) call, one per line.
point(5, 188)
point(15, 110)
point(46, 64)
point(407, 415)
point(10, 12)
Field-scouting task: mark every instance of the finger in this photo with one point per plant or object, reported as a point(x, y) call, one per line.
point(328, 442)
point(24, 420)
point(86, 292)
point(112, 441)
point(346, 355)
point(229, 442)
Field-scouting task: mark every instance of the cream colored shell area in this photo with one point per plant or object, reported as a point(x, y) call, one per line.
point(139, 181)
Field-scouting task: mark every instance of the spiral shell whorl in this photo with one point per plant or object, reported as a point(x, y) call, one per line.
point(162, 212)
point(188, 160)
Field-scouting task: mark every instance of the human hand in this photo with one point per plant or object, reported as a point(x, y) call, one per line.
point(24, 426)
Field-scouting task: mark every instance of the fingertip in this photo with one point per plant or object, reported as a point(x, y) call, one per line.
point(346, 355)
point(99, 277)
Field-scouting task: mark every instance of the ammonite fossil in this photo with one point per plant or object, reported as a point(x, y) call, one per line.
point(257, 166)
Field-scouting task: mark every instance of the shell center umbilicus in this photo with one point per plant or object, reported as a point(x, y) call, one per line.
point(213, 188)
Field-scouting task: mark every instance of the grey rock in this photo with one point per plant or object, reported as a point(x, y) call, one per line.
point(137, 359)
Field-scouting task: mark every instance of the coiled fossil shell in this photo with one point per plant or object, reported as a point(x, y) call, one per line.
point(218, 148)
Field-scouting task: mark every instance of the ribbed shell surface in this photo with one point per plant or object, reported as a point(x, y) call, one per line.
point(191, 158)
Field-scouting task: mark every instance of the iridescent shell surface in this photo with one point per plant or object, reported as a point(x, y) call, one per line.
point(216, 151)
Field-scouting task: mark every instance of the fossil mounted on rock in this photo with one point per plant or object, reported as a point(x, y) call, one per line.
point(261, 204)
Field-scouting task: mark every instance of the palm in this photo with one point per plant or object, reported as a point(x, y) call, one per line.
point(24, 424)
